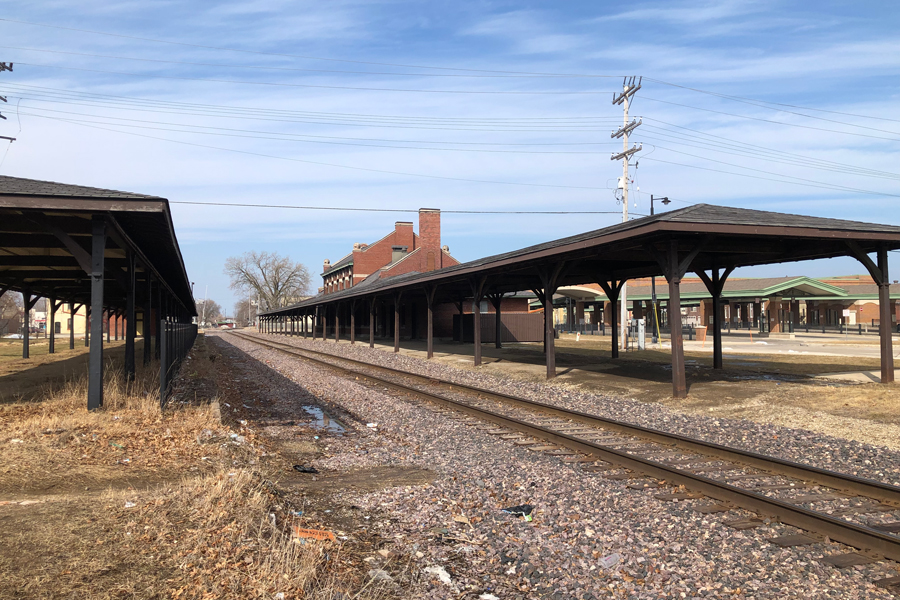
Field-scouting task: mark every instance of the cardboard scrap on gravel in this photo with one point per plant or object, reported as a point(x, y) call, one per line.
point(313, 534)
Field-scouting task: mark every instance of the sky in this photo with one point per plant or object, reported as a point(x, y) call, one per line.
point(464, 105)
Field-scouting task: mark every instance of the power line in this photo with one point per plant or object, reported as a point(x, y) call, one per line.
point(769, 151)
point(339, 121)
point(822, 186)
point(402, 210)
point(258, 52)
point(719, 112)
point(309, 85)
point(324, 164)
point(243, 109)
point(768, 157)
point(291, 69)
point(762, 103)
point(768, 172)
point(224, 132)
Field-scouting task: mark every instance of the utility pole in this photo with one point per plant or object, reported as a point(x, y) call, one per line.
point(653, 279)
point(5, 67)
point(629, 87)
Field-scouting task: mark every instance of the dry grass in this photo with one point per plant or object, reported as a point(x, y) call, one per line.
point(200, 526)
point(219, 532)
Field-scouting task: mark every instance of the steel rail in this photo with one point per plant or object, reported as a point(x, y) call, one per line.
point(838, 481)
point(863, 538)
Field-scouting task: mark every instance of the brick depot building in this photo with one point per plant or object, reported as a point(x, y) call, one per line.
point(400, 252)
point(403, 251)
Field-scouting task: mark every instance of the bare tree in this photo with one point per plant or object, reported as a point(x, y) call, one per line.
point(11, 312)
point(209, 311)
point(274, 279)
point(243, 312)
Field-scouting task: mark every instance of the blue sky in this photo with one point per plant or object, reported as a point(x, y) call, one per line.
point(256, 101)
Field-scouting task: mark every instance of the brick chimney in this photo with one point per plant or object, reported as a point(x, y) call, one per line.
point(403, 235)
point(430, 238)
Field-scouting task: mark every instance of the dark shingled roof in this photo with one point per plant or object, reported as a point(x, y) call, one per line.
point(145, 219)
point(347, 260)
point(17, 186)
point(695, 215)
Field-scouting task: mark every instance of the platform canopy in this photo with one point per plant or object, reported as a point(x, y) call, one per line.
point(705, 239)
point(113, 251)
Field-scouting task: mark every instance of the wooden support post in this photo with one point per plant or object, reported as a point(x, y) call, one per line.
point(496, 301)
point(87, 325)
point(550, 278)
point(674, 269)
point(352, 322)
point(397, 298)
point(130, 324)
point(372, 322)
point(539, 292)
point(880, 274)
point(146, 320)
point(460, 305)
point(715, 285)
point(612, 288)
point(679, 383)
point(884, 317)
point(315, 320)
point(95, 360)
point(108, 324)
point(477, 285)
point(337, 323)
point(429, 304)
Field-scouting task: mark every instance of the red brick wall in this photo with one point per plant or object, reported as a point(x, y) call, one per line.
point(413, 262)
point(378, 255)
point(372, 258)
point(430, 238)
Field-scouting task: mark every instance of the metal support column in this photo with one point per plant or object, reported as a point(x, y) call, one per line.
point(52, 325)
point(72, 310)
point(95, 362)
point(28, 303)
point(147, 318)
point(163, 347)
point(130, 324)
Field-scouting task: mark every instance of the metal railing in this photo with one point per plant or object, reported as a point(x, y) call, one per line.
point(176, 340)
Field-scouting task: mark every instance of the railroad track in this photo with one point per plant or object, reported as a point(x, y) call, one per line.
point(774, 488)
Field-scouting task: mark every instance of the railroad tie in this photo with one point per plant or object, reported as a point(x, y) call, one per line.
point(743, 524)
point(850, 559)
point(796, 539)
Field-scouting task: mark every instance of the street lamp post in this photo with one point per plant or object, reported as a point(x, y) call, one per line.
point(664, 200)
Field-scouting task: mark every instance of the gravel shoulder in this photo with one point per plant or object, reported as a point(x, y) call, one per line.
point(450, 539)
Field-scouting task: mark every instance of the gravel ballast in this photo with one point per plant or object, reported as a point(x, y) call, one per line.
point(590, 537)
